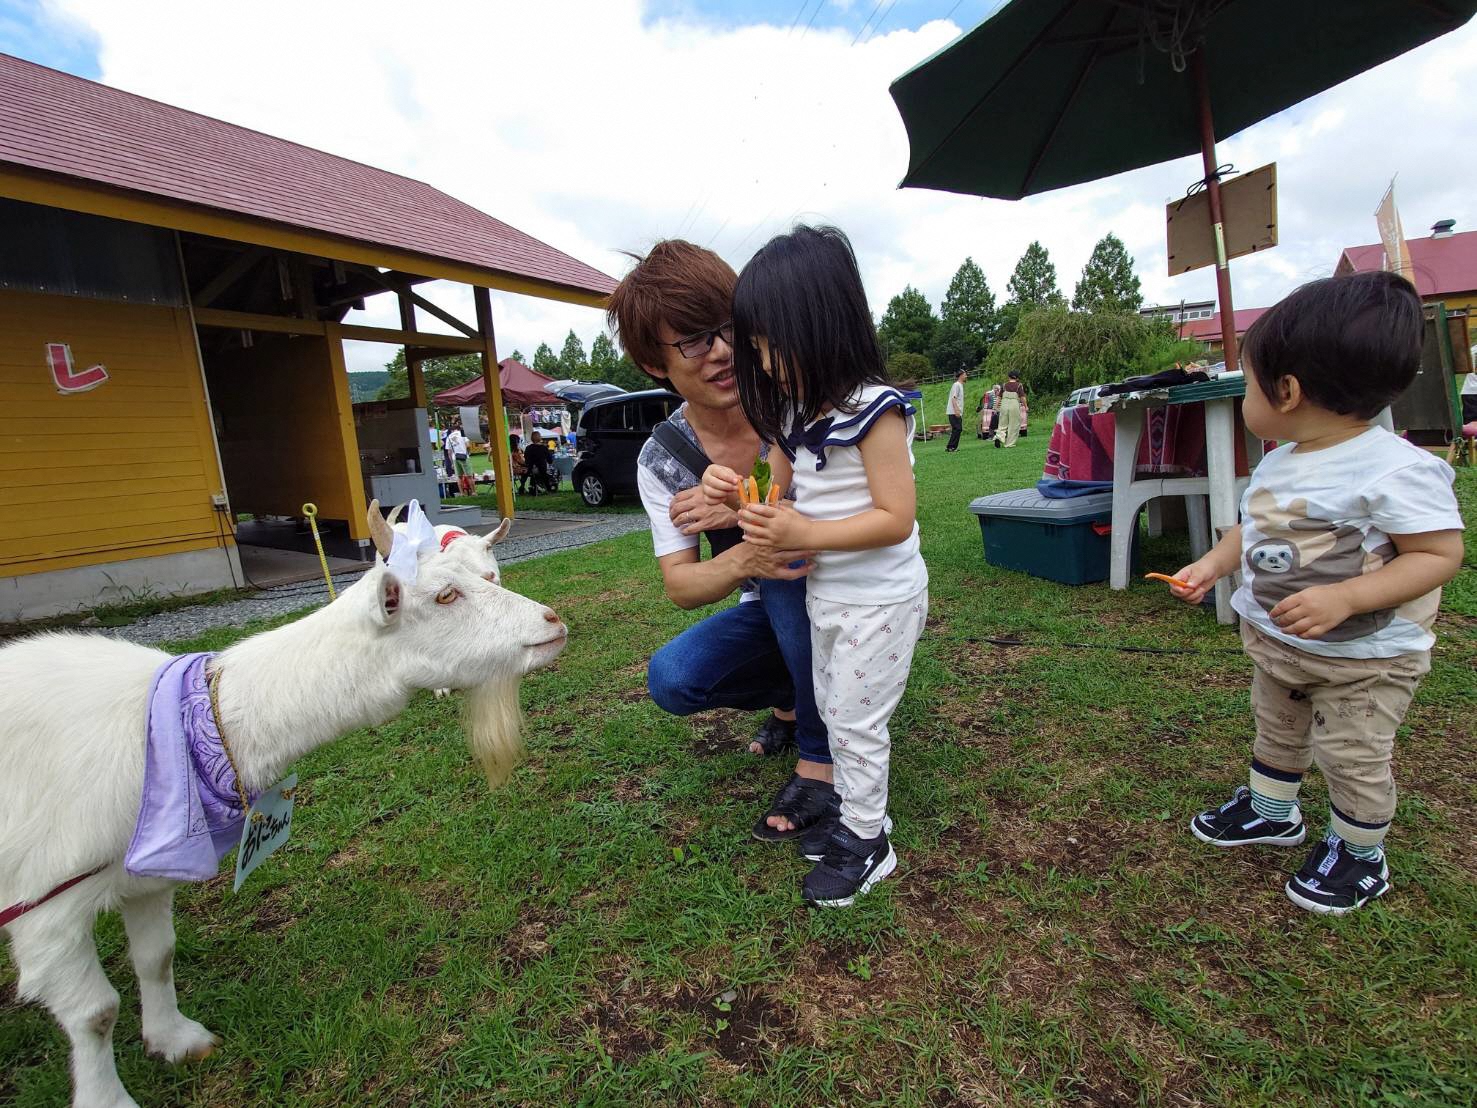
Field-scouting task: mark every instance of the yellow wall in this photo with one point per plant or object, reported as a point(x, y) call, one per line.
point(124, 471)
point(286, 428)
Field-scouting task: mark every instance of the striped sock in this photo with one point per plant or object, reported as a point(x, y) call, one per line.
point(1367, 853)
point(1274, 792)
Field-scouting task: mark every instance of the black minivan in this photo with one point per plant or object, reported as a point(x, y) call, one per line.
point(611, 433)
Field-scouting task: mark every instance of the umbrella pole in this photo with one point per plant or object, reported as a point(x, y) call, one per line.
point(1218, 225)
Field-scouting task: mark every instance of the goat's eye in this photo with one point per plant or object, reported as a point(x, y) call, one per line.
point(448, 594)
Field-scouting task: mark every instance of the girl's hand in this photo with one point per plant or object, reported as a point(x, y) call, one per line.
point(1200, 576)
point(1312, 613)
point(774, 527)
point(720, 485)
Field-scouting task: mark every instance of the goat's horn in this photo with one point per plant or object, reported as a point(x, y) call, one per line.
point(379, 530)
point(394, 516)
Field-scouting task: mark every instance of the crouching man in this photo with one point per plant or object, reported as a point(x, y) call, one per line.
point(672, 315)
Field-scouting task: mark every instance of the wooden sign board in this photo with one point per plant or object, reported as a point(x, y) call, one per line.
point(1249, 204)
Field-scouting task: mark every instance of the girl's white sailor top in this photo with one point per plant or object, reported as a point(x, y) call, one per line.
point(831, 483)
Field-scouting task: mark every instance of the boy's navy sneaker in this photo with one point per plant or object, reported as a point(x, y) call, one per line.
point(848, 869)
point(1235, 823)
point(1334, 882)
point(812, 844)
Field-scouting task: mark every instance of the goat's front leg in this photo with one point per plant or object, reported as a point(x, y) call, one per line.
point(56, 957)
point(148, 918)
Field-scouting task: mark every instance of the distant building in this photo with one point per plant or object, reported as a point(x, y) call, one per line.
point(1182, 312)
point(1207, 330)
point(1445, 265)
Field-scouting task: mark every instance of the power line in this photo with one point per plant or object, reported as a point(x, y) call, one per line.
point(868, 20)
point(878, 25)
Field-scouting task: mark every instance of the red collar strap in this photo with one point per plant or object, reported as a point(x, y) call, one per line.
point(15, 911)
point(451, 537)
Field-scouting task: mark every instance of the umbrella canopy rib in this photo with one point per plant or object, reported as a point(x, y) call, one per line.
point(968, 116)
point(1061, 114)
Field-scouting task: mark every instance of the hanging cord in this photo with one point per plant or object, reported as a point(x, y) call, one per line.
point(1175, 28)
point(310, 510)
point(1222, 171)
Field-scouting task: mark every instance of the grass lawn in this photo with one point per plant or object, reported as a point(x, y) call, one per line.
point(565, 501)
point(605, 931)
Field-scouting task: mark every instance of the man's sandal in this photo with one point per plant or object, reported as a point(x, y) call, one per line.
point(803, 801)
point(775, 737)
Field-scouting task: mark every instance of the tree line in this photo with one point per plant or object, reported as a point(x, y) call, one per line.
point(1056, 346)
point(602, 364)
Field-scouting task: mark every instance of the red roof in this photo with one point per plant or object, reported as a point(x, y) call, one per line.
point(522, 388)
point(1209, 330)
point(1443, 267)
point(59, 123)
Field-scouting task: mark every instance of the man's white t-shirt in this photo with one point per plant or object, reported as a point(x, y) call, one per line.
point(956, 399)
point(1325, 516)
point(457, 442)
point(1469, 386)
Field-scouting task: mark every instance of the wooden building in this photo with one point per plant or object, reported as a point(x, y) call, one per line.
point(173, 291)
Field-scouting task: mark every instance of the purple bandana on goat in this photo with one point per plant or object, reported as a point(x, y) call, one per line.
point(190, 815)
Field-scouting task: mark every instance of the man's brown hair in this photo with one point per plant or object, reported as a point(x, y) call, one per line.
point(685, 286)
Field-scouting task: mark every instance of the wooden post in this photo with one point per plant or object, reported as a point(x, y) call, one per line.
point(344, 412)
point(1217, 220)
point(413, 372)
point(497, 449)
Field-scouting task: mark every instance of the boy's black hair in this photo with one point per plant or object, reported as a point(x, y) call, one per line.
point(1352, 342)
point(802, 292)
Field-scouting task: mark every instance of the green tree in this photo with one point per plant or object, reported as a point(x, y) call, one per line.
point(517, 356)
point(572, 360)
point(907, 367)
point(1033, 284)
point(908, 325)
point(603, 358)
point(544, 361)
point(629, 376)
point(1056, 349)
point(440, 374)
point(1108, 282)
point(966, 322)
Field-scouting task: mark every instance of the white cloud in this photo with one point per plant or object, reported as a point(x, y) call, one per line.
point(598, 131)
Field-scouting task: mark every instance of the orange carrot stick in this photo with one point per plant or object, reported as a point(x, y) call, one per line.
point(1168, 580)
point(775, 493)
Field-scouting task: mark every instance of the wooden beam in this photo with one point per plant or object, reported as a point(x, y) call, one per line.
point(57, 191)
point(413, 374)
point(343, 406)
point(441, 314)
point(401, 285)
point(233, 272)
point(256, 321)
point(497, 449)
point(288, 325)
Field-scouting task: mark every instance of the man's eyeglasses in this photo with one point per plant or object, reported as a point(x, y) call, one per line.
point(695, 346)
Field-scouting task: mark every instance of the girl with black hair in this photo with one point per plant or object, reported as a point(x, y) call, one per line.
point(811, 380)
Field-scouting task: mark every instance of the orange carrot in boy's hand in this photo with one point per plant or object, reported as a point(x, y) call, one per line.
point(1168, 580)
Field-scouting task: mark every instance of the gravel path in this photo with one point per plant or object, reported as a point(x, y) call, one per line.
point(184, 623)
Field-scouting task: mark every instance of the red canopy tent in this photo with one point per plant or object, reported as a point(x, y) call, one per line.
point(522, 388)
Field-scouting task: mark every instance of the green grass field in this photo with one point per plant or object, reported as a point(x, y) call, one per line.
point(604, 931)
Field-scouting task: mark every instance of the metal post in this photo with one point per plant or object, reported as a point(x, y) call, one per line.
point(1218, 226)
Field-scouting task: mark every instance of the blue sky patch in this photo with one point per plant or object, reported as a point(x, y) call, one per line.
point(28, 31)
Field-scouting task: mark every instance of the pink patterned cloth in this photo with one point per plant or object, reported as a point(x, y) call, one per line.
point(1173, 444)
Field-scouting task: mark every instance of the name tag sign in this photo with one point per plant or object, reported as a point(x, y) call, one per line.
point(268, 824)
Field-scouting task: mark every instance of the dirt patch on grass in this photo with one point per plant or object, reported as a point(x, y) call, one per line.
point(719, 732)
point(531, 937)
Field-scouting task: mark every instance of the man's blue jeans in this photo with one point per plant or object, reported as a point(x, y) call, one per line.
point(749, 656)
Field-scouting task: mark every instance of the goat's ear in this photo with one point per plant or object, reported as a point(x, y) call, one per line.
point(389, 597)
point(500, 534)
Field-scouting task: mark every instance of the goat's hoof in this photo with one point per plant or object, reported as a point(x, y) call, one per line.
point(184, 1041)
point(442, 693)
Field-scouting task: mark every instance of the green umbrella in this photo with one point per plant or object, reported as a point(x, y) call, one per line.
point(1050, 93)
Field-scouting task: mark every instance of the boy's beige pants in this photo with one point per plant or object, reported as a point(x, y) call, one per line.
point(1339, 712)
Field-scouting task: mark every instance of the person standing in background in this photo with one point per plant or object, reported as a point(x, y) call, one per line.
point(956, 412)
point(1012, 396)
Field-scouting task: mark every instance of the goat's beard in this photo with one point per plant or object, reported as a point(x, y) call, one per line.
point(493, 722)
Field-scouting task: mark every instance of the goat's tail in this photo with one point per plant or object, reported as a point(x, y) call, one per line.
point(494, 727)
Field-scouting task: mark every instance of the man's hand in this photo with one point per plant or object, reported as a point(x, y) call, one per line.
point(693, 514)
point(774, 527)
point(1312, 613)
point(779, 565)
point(720, 485)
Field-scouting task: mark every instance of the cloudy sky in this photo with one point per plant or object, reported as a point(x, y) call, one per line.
point(600, 126)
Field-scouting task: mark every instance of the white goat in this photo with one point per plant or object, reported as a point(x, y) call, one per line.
point(72, 755)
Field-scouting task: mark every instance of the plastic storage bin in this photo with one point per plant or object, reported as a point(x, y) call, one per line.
point(1060, 540)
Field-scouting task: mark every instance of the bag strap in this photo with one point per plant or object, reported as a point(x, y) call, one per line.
point(684, 450)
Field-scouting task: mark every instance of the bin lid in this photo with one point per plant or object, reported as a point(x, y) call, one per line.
point(1030, 504)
